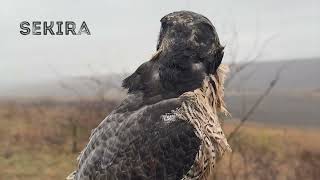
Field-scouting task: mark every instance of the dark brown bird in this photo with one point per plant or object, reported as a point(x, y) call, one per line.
point(167, 127)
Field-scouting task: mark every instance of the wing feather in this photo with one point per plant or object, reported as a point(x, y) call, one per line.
point(140, 144)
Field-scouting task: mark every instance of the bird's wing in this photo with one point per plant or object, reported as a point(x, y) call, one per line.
point(148, 143)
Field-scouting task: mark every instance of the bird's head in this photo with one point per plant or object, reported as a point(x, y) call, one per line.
point(187, 29)
point(188, 50)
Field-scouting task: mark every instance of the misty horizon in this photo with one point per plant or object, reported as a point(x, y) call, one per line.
point(124, 34)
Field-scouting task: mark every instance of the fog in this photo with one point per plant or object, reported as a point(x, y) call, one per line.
point(124, 34)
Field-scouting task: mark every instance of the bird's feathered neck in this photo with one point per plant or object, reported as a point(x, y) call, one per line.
point(201, 109)
point(218, 88)
point(212, 90)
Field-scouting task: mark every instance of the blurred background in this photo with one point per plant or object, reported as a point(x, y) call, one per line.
point(55, 89)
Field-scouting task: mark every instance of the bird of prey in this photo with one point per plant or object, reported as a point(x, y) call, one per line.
point(168, 127)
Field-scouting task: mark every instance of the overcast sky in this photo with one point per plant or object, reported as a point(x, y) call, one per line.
point(124, 33)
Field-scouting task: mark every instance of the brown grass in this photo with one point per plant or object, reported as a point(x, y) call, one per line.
point(271, 152)
point(37, 140)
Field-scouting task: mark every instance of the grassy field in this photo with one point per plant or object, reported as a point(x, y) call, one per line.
point(41, 140)
point(271, 152)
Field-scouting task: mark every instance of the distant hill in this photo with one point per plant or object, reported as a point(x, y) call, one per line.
point(295, 100)
point(300, 110)
point(298, 75)
point(71, 87)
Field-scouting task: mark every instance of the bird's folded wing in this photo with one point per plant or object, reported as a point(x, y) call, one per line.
point(148, 143)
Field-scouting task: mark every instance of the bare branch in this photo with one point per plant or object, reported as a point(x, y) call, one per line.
point(249, 59)
point(258, 102)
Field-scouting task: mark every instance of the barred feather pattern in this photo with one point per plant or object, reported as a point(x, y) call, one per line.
point(200, 109)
